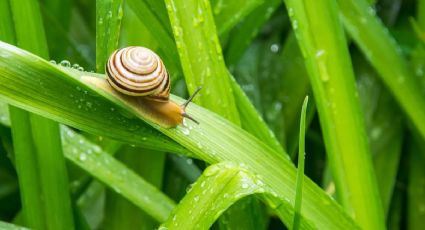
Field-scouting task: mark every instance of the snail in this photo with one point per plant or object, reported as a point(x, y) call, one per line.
point(139, 72)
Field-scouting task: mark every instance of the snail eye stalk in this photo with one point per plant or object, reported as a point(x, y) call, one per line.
point(184, 105)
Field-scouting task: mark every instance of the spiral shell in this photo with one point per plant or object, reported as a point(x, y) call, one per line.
point(138, 71)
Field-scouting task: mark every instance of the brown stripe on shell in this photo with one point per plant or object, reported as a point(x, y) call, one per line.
point(155, 83)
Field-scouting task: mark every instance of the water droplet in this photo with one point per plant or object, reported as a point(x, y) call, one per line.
point(75, 66)
point(53, 62)
point(189, 188)
point(212, 170)
point(295, 24)
point(184, 130)
point(82, 157)
point(290, 12)
point(320, 53)
point(218, 7)
point(65, 63)
point(376, 133)
point(189, 161)
point(274, 48)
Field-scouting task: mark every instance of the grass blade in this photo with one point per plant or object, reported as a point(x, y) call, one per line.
point(300, 171)
point(219, 186)
point(332, 80)
point(201, 57)
point(385, 56)
point(108, 18)
point(228, 13)
point(214, 140)
point(38, 145)
point(116, 175)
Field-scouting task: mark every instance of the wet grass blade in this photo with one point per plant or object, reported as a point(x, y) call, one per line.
point(38, 152)
point(343, 128)
point(116, 175)
point(108, 19)
point(214, 140)
point(300, 168)
point(385, 55)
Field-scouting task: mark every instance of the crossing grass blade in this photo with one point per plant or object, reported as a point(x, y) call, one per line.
point(214, 140)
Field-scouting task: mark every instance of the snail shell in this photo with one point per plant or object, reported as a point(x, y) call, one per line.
point(138, 71)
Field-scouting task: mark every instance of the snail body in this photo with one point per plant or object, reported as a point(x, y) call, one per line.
point(139, 72)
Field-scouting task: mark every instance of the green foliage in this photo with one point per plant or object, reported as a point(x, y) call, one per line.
point(108, 165)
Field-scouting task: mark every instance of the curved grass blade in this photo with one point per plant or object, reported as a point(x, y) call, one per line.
point(214, 140)
point(300, 171)
point(220, 186)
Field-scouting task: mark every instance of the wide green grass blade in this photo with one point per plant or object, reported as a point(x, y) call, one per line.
point(300, 168)
point(220, 186)
point(385, 56)
point(332, 80)
point(214, 140)
point(384, 125)
point(201, 57)
point(38, 151)
point(108, 20)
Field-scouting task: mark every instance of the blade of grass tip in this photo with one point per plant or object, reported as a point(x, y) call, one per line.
point(327, 60)
point(385, 55)
point(300, 171)
point(108, 20)
point(295, 84)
